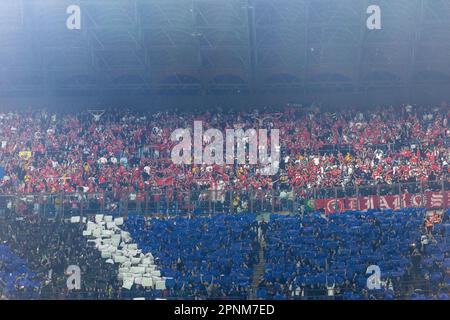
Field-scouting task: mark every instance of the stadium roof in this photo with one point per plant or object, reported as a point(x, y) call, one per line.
point(203, 47)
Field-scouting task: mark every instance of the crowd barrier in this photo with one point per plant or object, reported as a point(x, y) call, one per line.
point(431, 194)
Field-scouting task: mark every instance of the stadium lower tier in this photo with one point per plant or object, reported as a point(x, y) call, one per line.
point(320, 255)
point(354, 255)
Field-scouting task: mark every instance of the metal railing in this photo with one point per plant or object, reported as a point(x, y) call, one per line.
point(167, 201)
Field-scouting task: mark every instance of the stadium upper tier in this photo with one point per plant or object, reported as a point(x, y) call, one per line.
point(130, 151)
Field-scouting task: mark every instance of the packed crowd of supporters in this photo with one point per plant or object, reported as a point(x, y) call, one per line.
point(207, 257)
point(313, 257)
point(48, 247)
point(319, 256)
point(130, 151)
point(35, 253)
point(16, 279)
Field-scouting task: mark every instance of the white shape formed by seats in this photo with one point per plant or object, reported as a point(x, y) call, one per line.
point(75, 219)
point(116, 247)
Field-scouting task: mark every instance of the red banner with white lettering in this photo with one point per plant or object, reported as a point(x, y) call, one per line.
point(430, 200)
